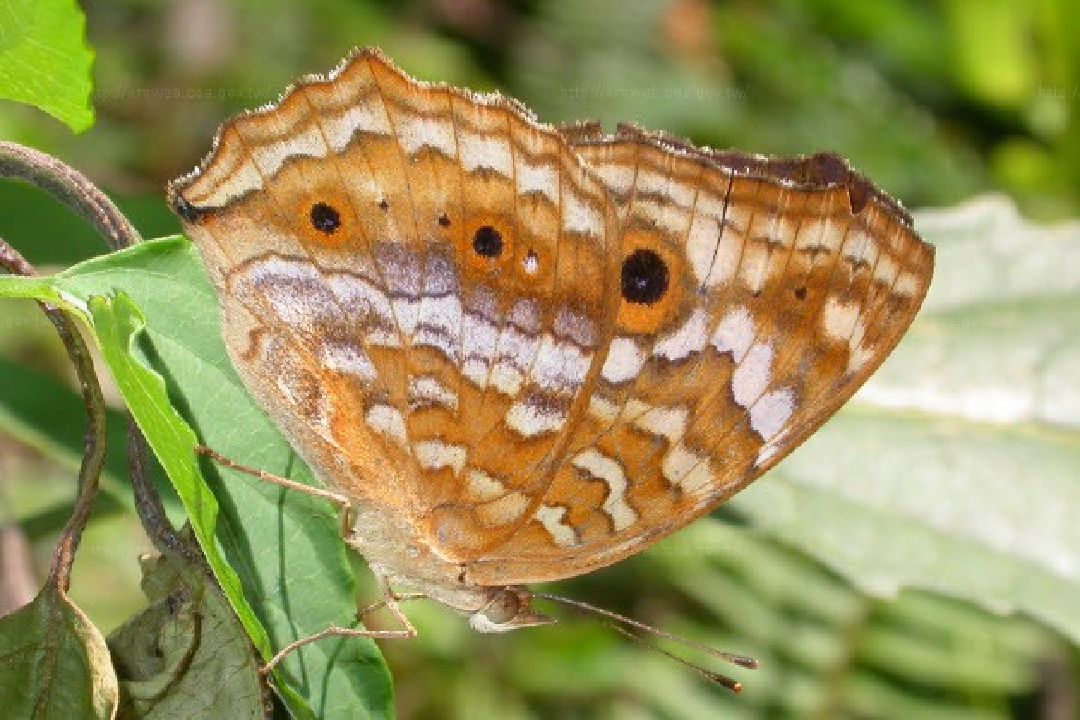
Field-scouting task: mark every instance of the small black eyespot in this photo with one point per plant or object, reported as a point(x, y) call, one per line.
point(324, 218)
point(444, 221)
point(487, 242)
point(383, 205)
point(800, 292)
point(644, 277)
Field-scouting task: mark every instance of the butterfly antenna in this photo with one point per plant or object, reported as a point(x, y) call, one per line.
point(719, 678)
point(588, 608)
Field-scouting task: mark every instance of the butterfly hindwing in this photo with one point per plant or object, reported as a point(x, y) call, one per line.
point(784, 295)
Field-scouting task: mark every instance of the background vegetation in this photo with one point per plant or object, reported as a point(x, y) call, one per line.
point(956, 476)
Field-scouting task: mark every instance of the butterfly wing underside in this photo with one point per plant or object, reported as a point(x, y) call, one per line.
point(416, 283)
point(536, 352)
point(789, 283)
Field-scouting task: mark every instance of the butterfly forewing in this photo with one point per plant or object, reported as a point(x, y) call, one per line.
point(301, 253)
point(414, 279)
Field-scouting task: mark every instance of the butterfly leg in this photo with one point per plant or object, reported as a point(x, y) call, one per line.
point(390, 598)
point(336, 498)
point(341, 501)
point(390, 601)
point(335, 631)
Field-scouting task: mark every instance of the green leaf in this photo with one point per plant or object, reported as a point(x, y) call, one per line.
point(44, 59)
point(185, 655)
point(285, 551)
point(278, 555)
point(54, 664)
point(957, 467)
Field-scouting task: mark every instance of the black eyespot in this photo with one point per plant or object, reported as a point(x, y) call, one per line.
point(487, 242)
point(444, 221)
point(800, 292)
point(324, 218)
point(644, 277)
point(383, 205)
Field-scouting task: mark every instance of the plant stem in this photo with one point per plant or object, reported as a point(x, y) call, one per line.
point(73, 189)
point(94, 437)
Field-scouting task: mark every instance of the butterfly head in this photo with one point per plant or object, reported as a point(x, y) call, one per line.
point(508, 608)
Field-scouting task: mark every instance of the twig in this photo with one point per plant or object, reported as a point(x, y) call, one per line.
point(148, 503)
point(72, 188)
point(94, 438)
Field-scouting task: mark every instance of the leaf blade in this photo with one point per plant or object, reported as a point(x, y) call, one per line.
point(253, 522)
point(44, 59)
point(54, 662)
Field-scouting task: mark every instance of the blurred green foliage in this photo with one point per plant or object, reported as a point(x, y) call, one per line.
point(44, 59)
point(826, 651)
point(935, 99)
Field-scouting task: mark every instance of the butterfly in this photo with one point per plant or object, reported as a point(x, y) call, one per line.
point(524, 352)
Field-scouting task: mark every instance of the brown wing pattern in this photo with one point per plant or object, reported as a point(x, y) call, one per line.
point(412, 279)
point(536, 351)
point(789, 283)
